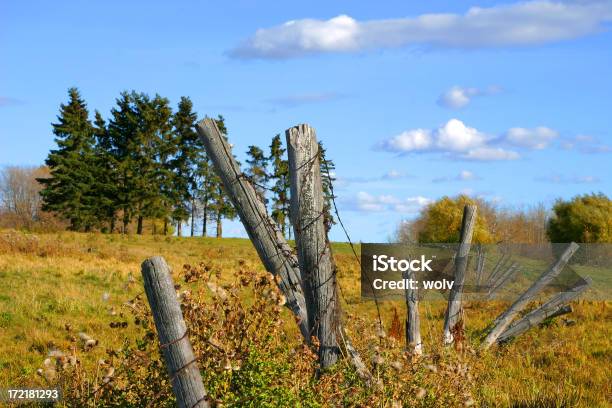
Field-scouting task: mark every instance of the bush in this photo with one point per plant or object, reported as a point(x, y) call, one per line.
point(586, 218)
point(441, 221)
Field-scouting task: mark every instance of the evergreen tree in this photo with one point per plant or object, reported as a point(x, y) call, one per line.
point(327, 168)
point(258, 171)
point(106, 174)
point(280, 188)
point(124, 149)
point(142, 146)
point(156, 193)
point(189, 159)
point(69, 189)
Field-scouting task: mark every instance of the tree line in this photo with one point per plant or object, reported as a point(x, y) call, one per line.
point(584, 218)
point(146, 163)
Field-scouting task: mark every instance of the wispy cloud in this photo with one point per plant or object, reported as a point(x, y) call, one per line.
point(562, 179)
point(291, 101)
point(537, 138)
point(8, 101)
point(464, 175)
point(454, 139)
point(458, 97)
point(510, 25)
point(388, 176)
point(365, 202)
point(585, 144)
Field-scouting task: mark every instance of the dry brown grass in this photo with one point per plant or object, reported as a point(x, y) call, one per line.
point(51, 280)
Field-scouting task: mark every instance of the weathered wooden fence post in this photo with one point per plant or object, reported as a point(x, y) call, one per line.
point(413, 322)
point(454, 309)
point(273, 250)
point(307, 213)
point(173, 335)
point(502, 280)
point(504, 320)
point(555, 306)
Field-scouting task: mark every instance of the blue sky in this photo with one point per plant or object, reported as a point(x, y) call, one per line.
point(413, 100)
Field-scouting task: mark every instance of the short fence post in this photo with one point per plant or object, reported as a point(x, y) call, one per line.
point(173, 336)
point(504, 320)
point(413, 321)
point(314, 251)
point(271, 246)
point(453, 311)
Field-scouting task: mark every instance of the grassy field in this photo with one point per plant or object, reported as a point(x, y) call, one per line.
point(49, 281)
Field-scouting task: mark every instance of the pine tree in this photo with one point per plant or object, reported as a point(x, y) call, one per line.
point(69, 189)
point(189, 158)
point(106, 173)
point(257, 171)
point(156, 193)
point(142, 146)
point(123, 141)
point(280, 188)
point(327, 167)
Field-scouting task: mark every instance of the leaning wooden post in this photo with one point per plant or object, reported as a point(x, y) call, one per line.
point(454, 310)
point(556, 306)
point(173, 336)
point(413, 322)
point(314, 252)
point(504, 320)
point(268, 240)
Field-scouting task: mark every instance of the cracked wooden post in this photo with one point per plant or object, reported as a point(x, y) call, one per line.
point(413, 322)
point(173, 336)
point(314, 252)
point(556, 306)
point(454, 309)
point(271, 246)
point(504, 320)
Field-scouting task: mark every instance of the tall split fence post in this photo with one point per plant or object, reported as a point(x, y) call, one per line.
point(271, 246)
point(173, 335)
point(307, 213)
point(454, 308)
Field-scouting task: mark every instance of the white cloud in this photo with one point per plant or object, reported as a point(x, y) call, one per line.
point(410, 140)
point(561, 179)
point(391, 175)
point(464, 175)
point(453, 138)
point(585, 144)
point(490, 154)
point(537, 138)
point(366, 202)
point(458, 97)
point(519, 24)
